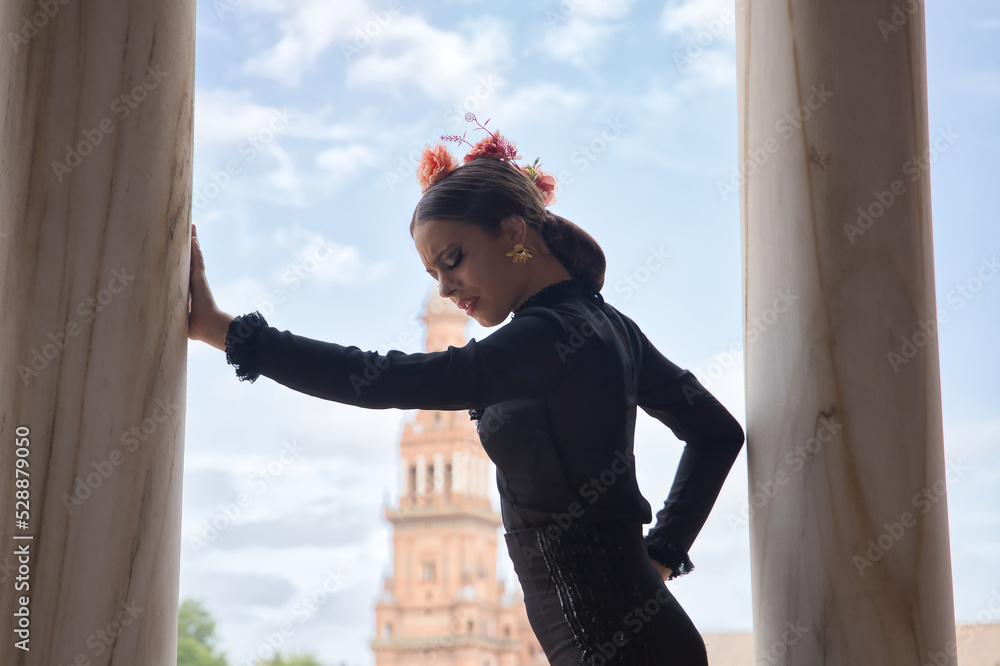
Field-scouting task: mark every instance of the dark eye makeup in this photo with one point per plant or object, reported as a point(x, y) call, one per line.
point(456, 259)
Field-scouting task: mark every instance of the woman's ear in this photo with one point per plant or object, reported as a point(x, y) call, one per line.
point(514, 229)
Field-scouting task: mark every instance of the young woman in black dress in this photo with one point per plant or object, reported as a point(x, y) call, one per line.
point(554, 393)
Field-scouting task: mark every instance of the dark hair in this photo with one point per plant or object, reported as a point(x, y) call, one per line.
point(487, 190)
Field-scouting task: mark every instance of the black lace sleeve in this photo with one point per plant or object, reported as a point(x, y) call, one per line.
point(670, 554)
point(241, 344)
point(521, 359)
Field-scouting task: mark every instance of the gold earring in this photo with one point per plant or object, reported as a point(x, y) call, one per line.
point(520, 254)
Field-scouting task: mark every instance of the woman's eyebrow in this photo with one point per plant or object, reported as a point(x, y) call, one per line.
point(437, 257)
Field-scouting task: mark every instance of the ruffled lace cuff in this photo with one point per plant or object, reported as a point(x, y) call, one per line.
point(240, 344)
point(668, 553)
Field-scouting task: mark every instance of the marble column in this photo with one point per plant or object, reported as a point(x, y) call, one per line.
point(849, 530)
point(95, 190)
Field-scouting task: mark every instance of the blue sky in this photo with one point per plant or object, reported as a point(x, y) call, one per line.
point(309, 115)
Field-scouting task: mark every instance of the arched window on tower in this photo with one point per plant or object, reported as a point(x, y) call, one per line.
point(413, 483)
point(387, 630)
point(447, 482)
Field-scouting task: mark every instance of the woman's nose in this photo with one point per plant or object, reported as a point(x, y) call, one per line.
point(447, 286)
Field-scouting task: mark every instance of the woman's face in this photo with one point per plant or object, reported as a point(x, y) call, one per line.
point(472, 268)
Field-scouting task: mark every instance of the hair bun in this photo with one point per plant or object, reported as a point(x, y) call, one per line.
point(576, 249)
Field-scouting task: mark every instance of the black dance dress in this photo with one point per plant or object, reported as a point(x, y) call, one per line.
point(554, 392)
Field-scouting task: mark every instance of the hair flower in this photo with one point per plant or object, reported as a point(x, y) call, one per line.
point(494, 146)
point(436, 162)
point(544, 181)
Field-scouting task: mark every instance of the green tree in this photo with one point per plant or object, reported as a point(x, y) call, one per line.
point(196, 636)
point(291, 660)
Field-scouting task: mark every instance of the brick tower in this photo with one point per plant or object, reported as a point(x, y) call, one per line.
point(444, 603)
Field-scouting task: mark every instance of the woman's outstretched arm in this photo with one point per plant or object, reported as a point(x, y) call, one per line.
point(521, 359)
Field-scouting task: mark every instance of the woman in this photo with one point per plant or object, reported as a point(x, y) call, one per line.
point(554, 393)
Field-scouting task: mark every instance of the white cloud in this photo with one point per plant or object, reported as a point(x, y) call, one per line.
point(382, 50)
point(577, 32)
point(608, 10)
point(286, 177)
point(708, 30)
point(316, 258)
point(329, 124)
point(334, 263)
point(971, 440)
point(691, 18)
point(577, 41)
point(240, 294)
point(444, 65)
point(714, 69)
point(232, 117)
point(536, 102)
point(345, 162)
point(233, 129)
point(311, 27)
point(659, 101)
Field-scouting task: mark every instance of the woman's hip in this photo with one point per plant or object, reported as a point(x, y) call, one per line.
point(593, 597)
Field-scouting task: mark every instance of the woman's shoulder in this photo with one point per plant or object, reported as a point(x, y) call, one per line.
point(613, 309)
point(536, 319)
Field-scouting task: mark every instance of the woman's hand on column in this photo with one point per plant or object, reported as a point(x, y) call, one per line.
point(662, 570)
point(206, 322)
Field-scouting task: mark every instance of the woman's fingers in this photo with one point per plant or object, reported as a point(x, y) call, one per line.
point(192, 301)
point(197, 260)
point(199, 281)
point(201, 303)
point(206, 322)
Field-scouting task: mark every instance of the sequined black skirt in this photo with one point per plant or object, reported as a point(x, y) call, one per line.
point(593, 598)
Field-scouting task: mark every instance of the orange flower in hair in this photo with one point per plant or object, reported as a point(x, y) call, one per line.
point(436, 162)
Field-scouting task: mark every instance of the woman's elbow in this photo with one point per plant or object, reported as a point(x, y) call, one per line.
point(735, 436)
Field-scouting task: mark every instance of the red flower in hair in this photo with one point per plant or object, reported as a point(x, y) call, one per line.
point(494, 146)
point(435, 163)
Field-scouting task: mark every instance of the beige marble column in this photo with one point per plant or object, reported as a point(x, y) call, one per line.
point(849, 531)
point(95, 187)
